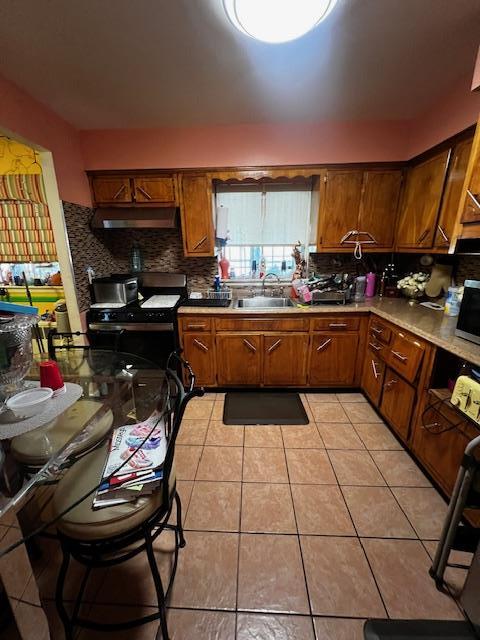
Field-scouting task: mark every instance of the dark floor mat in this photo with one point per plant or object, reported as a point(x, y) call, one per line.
point(258, 407)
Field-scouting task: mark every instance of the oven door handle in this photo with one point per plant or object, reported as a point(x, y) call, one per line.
point(139, 326)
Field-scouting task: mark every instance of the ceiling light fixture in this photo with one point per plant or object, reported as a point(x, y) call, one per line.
point(277, 20)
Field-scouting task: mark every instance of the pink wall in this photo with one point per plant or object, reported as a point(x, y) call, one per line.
point(23, 116)
point(458, 110)
point(244, 145)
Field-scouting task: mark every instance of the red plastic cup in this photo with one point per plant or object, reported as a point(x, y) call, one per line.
point(50, 375)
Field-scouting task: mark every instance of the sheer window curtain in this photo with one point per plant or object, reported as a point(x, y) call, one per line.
point(267, 214)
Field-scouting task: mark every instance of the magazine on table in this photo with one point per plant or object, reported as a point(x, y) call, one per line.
point(143, 472)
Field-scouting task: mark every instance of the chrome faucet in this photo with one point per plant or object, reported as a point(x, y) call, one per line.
point(265, 277)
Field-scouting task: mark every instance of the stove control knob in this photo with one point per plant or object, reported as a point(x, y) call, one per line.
point(130, 316)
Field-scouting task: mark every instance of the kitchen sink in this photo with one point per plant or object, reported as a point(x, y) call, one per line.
point(261, 302)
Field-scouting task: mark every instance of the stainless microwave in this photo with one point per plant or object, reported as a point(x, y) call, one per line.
point(468, 325)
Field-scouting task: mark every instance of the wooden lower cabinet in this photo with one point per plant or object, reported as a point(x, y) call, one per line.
point(199, 350)
point(332, 359)
point(239, 359)
point(397, 403)
point(373, 375)
point(285, 359)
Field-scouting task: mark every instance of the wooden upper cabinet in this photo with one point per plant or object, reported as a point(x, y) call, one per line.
point(452, 194)
point(379, 205)
point(471, 207)
point(111, 189)
point(339, 206)
point(154, 189)
point(196, 210)
point(421, 202)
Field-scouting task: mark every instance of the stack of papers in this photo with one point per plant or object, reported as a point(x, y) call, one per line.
point(143, 473)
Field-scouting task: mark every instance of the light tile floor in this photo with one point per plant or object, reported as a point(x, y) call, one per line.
point(293, 532)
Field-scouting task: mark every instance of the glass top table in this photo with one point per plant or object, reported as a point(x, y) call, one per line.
point(117, 388)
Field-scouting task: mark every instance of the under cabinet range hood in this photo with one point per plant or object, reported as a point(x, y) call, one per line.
point(135, 218)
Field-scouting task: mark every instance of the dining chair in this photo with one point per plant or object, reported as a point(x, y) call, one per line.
point(101, 538)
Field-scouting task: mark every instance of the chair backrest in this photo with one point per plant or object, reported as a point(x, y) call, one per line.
point(175, 397)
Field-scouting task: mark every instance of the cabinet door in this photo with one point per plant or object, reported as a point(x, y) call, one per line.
point(199, 351)
point(285, 359)
point(397, 403)
point(332, 359)
point(111, 189)
point(154, 189)
point(421, 202)
point(471, 210)
point(452, 195)
point(239, 359)
point(373, 376)
point(339, 206)
point(196, 214)
point(379, 205)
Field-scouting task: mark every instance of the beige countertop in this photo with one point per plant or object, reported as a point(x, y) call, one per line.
point(431, 325)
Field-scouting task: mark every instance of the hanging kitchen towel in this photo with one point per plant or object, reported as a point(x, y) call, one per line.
point(222, 223)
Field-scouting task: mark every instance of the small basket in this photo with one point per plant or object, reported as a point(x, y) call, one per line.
point(219, 295)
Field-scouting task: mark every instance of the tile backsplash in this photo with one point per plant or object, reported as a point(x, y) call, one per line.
point(109, 252)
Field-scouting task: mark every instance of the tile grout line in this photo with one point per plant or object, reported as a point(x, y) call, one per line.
point(298, 540)
point(239, 537)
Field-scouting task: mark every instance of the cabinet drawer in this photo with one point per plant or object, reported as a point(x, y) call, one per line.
point(380, 331)
point(261, 324)
point(405, 355)
point(379, 349)
point(336, 323)
point(196, 324)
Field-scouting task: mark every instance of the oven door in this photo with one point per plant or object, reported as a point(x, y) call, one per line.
point(151, 341)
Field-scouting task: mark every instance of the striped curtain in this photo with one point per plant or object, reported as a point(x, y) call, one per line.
point(26, 233)
point(22, 187)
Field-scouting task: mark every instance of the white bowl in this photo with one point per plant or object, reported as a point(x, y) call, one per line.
point(30, 403)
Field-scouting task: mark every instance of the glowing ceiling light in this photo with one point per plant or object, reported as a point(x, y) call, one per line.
point(277, 20)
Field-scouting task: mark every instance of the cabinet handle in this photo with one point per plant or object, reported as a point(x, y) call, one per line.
point(201, 345)
point(375, 372)
point(423, 236)
point(443, 234)
point(324, 344)
point(250, 346)
point(390, 383)
point(474, 197)
point(399, 356)
point(431, 425)
point(375, 346)
point(275, 345)
point(145, 193)
point(377, 331)
point(199, 243)
point(119, 192)
point(337, 325)
point(196, 326)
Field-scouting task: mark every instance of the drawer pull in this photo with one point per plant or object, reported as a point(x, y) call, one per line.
point(144, 193)
point(399, 356)
point(375, 371)
point(338, 325)
point(250, 346)
point(201, 345)
point(200, 242)
point(390, 383)
point(423, 236)
point(474, 198)
point(119, 192)
point(274, 346)
point(196, 326)
point(443, 234)
point(377, 347)
point(377, 331)
point(432, 425)
point(324, 344)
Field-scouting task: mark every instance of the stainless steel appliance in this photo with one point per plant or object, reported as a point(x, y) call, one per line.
point(116, 289)
point(468, 325)
point(147, 328)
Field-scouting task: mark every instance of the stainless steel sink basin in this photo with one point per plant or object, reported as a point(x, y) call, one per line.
point(261, 302)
